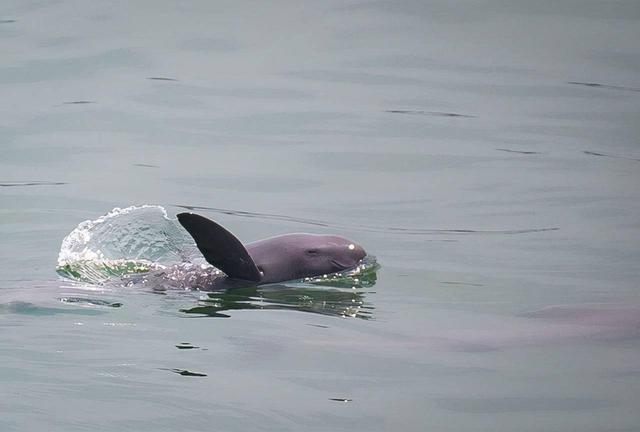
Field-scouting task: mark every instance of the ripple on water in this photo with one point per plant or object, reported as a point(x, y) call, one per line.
point(27, 308)
point(185, 372)
point(365, 228)
point(90, 302)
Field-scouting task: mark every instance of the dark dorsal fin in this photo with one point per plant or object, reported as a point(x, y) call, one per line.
point(220, 248)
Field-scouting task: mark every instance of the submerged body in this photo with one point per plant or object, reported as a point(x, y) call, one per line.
point(276, 259)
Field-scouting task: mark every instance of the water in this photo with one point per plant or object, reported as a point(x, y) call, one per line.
point(485, 152)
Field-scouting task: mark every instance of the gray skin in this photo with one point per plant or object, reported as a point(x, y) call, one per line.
point(276, 259)
point(296, 256)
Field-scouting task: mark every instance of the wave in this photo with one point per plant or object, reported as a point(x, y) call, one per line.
point(135, 239)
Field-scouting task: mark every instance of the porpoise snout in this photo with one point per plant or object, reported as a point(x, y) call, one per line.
point(357, 251)
point(354, 254)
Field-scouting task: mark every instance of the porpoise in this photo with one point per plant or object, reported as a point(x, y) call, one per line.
point(276, 259)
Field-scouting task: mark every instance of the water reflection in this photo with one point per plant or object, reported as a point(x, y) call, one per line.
point(345, 302)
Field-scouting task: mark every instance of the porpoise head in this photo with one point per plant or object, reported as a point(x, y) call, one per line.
point(329, 254)
point(296, 256)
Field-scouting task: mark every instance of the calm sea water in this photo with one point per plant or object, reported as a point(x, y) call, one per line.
point(486, 152)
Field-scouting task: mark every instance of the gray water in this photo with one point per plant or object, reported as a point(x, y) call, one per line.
point(486, 152)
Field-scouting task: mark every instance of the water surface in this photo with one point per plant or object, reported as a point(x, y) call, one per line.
point(485, 152)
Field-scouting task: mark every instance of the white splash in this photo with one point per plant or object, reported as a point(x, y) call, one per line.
point(126, 240)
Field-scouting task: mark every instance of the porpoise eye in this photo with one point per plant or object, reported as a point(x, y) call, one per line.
point(312, 251)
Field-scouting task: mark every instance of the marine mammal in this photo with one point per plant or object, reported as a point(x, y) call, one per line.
point(275, 259)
